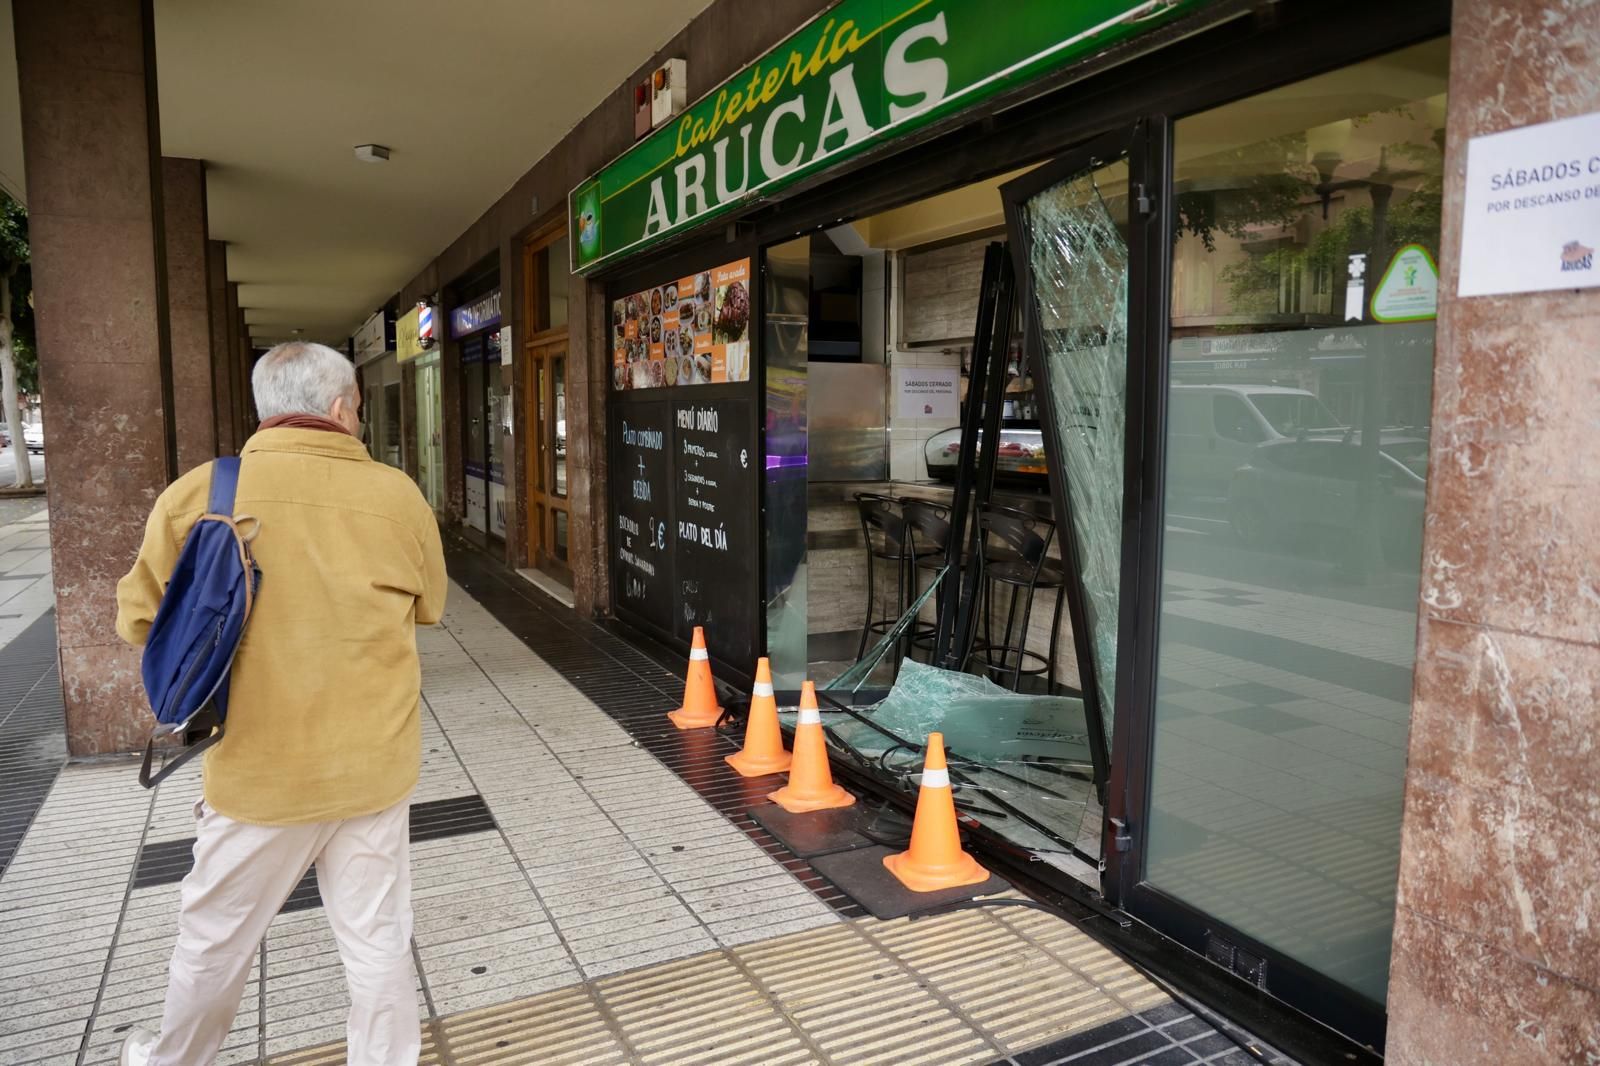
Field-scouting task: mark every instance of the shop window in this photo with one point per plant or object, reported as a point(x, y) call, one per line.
point(1232, 419)
point(391, 424)
point(1288, 621)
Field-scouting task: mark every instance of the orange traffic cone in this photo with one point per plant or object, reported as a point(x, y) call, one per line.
point(935, 859)
point(763, 744)
point(810, 786)
point(699, 710)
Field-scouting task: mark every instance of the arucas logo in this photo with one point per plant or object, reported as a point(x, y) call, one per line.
point(1574, 256)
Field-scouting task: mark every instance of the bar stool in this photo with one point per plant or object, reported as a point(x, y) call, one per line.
point(884, 528)
point(927, 544)
point(1016, 545)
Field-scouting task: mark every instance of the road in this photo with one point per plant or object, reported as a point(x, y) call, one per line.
point(8, 466)
point(1199, 540)
point(14, 509)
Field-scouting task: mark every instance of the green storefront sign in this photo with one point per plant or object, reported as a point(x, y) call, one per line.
point(857, 75)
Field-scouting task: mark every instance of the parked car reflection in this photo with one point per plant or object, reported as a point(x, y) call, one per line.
point(1215, 429)
point(1313, 486)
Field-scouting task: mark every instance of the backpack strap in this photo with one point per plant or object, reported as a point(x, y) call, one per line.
point(178, 760)
point(224, 483)
point(206, 717)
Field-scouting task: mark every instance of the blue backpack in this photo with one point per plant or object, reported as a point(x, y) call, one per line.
point(197, 629)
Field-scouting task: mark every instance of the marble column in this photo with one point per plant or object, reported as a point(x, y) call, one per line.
point(224, 374)
point(244, 359)
point(90, 135)
point(588, 379)
point(183, 185)
point(1497, 932)
point(239, 380)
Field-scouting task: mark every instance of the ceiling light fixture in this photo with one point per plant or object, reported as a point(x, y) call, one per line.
point(372, 153)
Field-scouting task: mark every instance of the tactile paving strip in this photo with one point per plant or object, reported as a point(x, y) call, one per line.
point(1002, 984)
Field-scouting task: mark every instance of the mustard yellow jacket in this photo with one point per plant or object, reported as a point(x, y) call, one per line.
point(323, 708)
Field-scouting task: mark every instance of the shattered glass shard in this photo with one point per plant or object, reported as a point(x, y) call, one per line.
point(1078, 255)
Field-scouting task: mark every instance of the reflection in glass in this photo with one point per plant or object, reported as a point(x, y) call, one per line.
point(560, 520)
point(372, 414)
point(430, 459)
point(1297, 451)
point(1079, 264)
point(558, 381)
point(391, 423)
point(474, 404)
point(541, 416)
point(786, 299)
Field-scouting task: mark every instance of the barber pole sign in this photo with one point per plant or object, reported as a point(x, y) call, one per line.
point(425, 325)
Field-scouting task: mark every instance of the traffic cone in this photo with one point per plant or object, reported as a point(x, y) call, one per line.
point(699, 710)
point(763, 744)
point(810, 786)
point(935, 859)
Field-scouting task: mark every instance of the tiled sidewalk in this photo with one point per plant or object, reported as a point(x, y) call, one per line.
point(597, 859)
point(584, 892)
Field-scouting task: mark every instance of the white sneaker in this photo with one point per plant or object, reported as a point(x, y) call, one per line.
point(137, 1047)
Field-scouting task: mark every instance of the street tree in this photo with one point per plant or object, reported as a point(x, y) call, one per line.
point(17, 352)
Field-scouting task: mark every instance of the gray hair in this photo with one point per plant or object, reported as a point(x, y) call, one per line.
point(301, 378)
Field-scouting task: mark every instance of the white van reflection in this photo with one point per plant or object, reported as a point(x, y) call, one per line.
point(1293, 488)
point(1213, 429)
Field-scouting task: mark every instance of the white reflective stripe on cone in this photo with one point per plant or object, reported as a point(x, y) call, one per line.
point(936, 779)
point(810, 716)
point(762, 688)
point(697, 654)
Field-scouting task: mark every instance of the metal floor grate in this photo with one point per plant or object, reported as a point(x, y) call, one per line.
point(33, 745)
point(636, 691)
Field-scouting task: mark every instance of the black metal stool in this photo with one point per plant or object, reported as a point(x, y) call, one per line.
point(884, 528)
point(927, 543)
point(1016, 545)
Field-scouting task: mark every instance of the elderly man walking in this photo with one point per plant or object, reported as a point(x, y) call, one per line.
point(323, 741)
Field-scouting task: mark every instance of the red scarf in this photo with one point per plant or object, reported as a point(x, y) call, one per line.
point(304, 422)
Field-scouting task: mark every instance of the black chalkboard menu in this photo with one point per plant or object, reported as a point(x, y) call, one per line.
point(642, 533)
point(714, 496)
point(685, 533)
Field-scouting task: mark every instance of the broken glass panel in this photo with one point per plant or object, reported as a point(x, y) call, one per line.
point(1078, 258)
point(1019, 763)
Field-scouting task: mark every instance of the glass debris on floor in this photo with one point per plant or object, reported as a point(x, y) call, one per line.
point(1019, 763)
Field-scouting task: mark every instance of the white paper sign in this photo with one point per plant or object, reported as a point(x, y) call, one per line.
point(1532, 217)
point(927, 392)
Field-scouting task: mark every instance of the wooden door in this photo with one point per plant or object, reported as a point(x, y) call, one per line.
point(545, 366)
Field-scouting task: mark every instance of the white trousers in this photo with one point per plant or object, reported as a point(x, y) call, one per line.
point(242, 875)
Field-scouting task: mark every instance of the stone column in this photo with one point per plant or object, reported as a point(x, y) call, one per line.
point(239, 383)
point(589, 378)
point(246, 362)
point(224, 374)
point(87, 79)
point(1497, 930)
point(454, 428)
point(189, 310)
